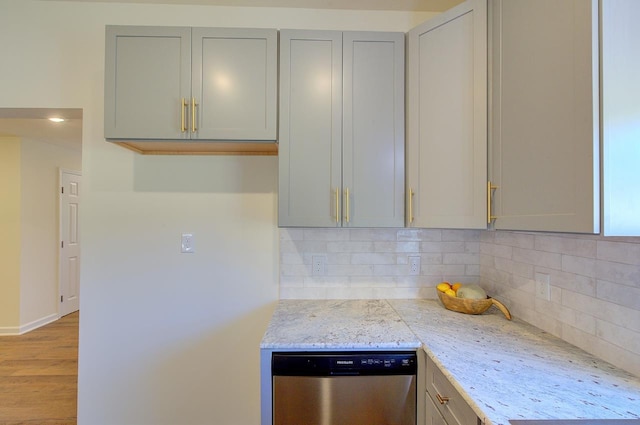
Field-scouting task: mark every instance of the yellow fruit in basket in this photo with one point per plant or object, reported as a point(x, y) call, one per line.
point(450, 292)
point(443, 287)
point(456, 286)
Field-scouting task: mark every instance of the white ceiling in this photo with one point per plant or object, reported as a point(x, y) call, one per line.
point(34, 124)
point(406, 5)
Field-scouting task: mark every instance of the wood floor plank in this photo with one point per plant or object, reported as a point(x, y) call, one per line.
point(39, 375)
point(38, 367)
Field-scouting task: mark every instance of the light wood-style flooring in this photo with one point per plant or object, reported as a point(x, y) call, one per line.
point(39, 375)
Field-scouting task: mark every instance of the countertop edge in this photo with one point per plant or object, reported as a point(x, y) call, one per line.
point(417, 345)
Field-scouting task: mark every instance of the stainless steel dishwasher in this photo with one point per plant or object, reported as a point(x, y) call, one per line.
point(344, 388)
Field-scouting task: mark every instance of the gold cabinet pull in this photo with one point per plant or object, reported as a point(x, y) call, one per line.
point(442, 400)
point(193, 115)
point(489, 189)
point(410, 205)
point(346, 202)
point(337, 205)
point(183, 128)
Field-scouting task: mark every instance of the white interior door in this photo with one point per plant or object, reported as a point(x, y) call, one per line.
point(69, 241)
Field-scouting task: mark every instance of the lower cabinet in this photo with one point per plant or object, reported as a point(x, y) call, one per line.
point(432, 415)
point(444, 404)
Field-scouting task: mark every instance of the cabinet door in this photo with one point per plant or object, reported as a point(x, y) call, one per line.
point(432, 415)
point(373, 129)
point(310, 128)
point(234, 77)
point(147, 74)
point(447, 119)
point(545, 120)
point(446, 399)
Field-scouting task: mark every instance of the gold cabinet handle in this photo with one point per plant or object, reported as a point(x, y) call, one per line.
point(489, 189)
point(442, 400)
point(193, 115)
point(183, 128)
point(410, 205)
point(337, 205)
point(346, 203)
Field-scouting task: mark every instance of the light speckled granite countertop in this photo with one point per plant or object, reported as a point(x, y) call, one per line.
point(504, 370)
point(512, 370)
point(338, 324)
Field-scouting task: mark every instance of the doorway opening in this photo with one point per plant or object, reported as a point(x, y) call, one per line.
point(44, 140)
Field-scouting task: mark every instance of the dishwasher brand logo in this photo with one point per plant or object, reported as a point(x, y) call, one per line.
point(345, 362)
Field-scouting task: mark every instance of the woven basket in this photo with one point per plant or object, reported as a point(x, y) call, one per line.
point(469, 306)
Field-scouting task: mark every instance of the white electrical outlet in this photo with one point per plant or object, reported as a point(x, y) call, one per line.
point(414, 265)
point(318, 265)
point(187, 246)
point(542, 286)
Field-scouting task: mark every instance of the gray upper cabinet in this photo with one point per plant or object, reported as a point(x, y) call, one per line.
point(373, 129)
point(341, 129)
point(447, 119)
point(173, 83)
point(545, 115)
point(147, 73)
point(234, 77)
point(310, 169)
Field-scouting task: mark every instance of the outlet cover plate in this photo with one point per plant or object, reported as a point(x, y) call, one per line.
point(187, 246)
point(543, 289)
point(414, 265)
point(318, 265)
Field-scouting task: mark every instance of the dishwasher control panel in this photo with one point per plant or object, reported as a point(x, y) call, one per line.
point(343, 363)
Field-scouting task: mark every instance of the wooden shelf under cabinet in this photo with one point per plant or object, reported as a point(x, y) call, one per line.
point(198, 148)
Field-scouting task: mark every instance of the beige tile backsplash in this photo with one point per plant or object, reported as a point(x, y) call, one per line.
point(594, 281)
point(374, 263)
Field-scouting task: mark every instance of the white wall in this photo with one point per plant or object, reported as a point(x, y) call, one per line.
point(39, 228)
point(165, 337)
point(10, 231)
point(620, 117)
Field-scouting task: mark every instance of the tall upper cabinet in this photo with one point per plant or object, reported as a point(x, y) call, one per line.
point(545, 115)
point(447, 119)
point(341, 154)
point(180, 83)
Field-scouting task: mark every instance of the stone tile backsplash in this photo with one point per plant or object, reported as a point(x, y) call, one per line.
point(374, 263)
point(594, 288)
point(594, 281)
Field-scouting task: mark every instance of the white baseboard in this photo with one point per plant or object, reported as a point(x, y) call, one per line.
point(22, 329)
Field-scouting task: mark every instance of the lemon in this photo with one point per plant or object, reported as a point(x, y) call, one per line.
point(443, 286)
point(450, 292)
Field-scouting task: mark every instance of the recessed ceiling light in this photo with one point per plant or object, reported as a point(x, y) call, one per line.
point(56, 119)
